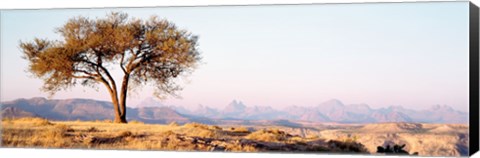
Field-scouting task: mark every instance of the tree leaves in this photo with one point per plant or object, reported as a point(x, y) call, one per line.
point(153, 51)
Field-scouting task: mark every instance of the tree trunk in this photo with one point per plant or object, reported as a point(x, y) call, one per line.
point(119, 106)
point(123, 98)
point(120, 119)
point(118, 114)
point(116, 107)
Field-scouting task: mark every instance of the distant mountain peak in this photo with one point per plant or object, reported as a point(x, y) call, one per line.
point(38, 98)
point(201, 106)
point(235, 107)
point(441, 107)
point(237, 104)
point(396, 107)
point(150, 102)
point(333, 102)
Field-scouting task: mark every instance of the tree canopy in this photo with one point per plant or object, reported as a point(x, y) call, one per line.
point(151, 51)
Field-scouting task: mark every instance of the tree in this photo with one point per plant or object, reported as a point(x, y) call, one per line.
point(148, 52)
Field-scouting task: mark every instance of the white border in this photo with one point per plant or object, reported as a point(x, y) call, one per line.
point(76, 153)
point(42, 4)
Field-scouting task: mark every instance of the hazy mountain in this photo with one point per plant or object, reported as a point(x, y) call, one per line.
point(295, 110)
point(234, 109)
point(149, 102)
point(152, 102)
point(362, 109)
point(263, 113)
point(435, 114)
point(159, 115)
point(206, 111)
point(152, 111)
point(180, 109)
point(391, 116)
point(87, 109)
point(68, 109)
point(443, 113)
point(9, 112)
point(330, 106)
point(313, 116)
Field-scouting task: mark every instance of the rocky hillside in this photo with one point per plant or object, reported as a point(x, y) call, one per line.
point(426, 139)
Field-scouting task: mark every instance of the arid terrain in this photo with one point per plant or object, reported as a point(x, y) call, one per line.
point(37, 132)
point(426, 139)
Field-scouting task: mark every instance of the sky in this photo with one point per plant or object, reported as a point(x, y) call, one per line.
point(409, 54)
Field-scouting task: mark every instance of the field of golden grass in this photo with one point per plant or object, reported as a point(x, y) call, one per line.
point(41, 133)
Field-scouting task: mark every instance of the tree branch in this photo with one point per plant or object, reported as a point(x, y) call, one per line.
point(84, 77)
point(121, 64)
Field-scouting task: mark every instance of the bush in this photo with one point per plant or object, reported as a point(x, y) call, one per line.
point(240, 129)
point(395, 150)
point(349, 146)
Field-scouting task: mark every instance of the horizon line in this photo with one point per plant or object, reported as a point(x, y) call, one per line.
point(239, 101)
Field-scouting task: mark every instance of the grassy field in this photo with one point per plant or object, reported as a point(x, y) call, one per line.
point(41, 133)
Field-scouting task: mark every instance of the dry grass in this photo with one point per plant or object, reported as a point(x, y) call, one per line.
point(240, 129)
point(267, 135)
point(49, 136)
point(33, 120)
point(135, 122)
point(201, 130)
point(35, 132)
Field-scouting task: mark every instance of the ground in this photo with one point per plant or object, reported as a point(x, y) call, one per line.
point(424, 139)
point(41, 133)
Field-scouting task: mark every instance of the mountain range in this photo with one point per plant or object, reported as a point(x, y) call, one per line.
point(152, 111)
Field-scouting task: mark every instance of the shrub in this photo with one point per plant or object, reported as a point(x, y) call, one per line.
point(240, 129)
point(350, 138)
point(348, 146)
point(395, 150)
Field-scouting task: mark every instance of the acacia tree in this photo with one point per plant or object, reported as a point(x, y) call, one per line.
point(148, 52)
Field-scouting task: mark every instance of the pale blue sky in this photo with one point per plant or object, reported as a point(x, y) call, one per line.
point(409, 54)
